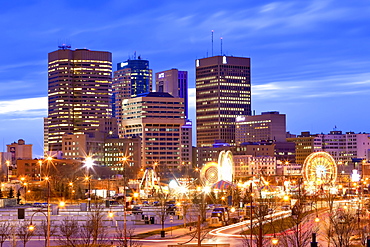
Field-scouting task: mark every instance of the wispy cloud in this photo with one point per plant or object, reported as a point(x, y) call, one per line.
point(30, 106)
point(330, 86)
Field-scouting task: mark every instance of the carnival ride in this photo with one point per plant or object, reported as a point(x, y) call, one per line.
point(319, 169)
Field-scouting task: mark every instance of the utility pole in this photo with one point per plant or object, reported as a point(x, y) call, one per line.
point(251, 214)
point(198, 226)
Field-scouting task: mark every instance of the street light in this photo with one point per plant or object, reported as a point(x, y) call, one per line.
point(47, 179)
point(40, 163)
point(274, 240)
point(89, 162)
point(124, 161)
point(8, 171)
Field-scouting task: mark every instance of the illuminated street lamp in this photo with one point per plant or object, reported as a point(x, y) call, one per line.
point(89, 162)
point(40, 163)
point(274, 240)
point(124, 161)
point(47, 179)
point(8, 171)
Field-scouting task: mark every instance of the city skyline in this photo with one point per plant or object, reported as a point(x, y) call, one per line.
point(308, 59)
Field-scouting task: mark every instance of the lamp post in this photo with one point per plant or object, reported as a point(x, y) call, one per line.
point(40, 163)
point(7, 167)
point(48, 216)
point(89, 162)
point(124, 161)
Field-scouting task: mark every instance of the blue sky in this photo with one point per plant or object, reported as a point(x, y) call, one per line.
point(310, 59)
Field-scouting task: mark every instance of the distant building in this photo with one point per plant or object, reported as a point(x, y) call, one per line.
point(58, 169)
point(345, 148)
point(248, 165)
point(305, 144)
point(158, 119)
point(174, 82)
point(79, 93)
point(223, 92)
point(79, 146)
point(186, 147)
point(265, 127)
point(5, 165)
point(19, 150)
point(115, 149)
point(133, 77)
point(210, 154)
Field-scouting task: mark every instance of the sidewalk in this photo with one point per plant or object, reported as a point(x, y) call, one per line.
point(171, 233)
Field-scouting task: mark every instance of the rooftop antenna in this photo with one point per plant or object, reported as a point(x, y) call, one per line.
point(135, 55)
point(64, 46)
point(221, 46)
point(212, 43)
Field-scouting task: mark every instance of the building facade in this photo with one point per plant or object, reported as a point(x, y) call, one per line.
point(345, 148)
point(133, 77)
point(157, 118)
point(223, 92)
point(250, 166)
point(19, 150)
point(174, 82)
point(79, 93)
point(206, 155)
point(123, 153)
point(265, 127)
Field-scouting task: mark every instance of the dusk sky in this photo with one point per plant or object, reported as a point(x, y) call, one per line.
point(310, 59)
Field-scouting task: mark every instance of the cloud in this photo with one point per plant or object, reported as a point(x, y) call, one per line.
point(323, 87)
point(30, 106)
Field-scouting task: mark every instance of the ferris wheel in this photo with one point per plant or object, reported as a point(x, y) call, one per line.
point(209, 173)
point(319, 168)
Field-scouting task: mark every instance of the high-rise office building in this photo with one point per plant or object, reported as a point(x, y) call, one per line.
point(174, 82)
point(133, 77)
point(158, 119)
point(223, 92)
point(79, 92)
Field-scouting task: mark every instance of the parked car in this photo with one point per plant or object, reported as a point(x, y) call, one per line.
point(137, 210)
point(221, 213)
point(171, 210)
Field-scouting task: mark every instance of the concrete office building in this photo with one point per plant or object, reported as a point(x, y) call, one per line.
point(19, 150)
point(248, 165)
point(265, 127)
point(345, 148)
point(158, 119)
point(79, 92)
point(133, 77)
point(174, 82)
point(223, 92)
point(205, 155)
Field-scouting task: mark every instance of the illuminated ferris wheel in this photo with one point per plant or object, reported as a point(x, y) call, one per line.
point(319, 168)
point(209, 173)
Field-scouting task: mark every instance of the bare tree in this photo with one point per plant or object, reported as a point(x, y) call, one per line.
point(69, 232)
point(126, 240)
point(301, 226)
point(162, 197)
point(5, 230)
point(343, 225)
point(200, 233)
point(258, 228)
point(24, 233)
point(43, 230)
point(198, 199)
point(93, 231)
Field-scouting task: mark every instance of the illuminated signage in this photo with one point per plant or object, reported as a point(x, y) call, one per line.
point(161, 75)
point(240, 118)
point(224, 60)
